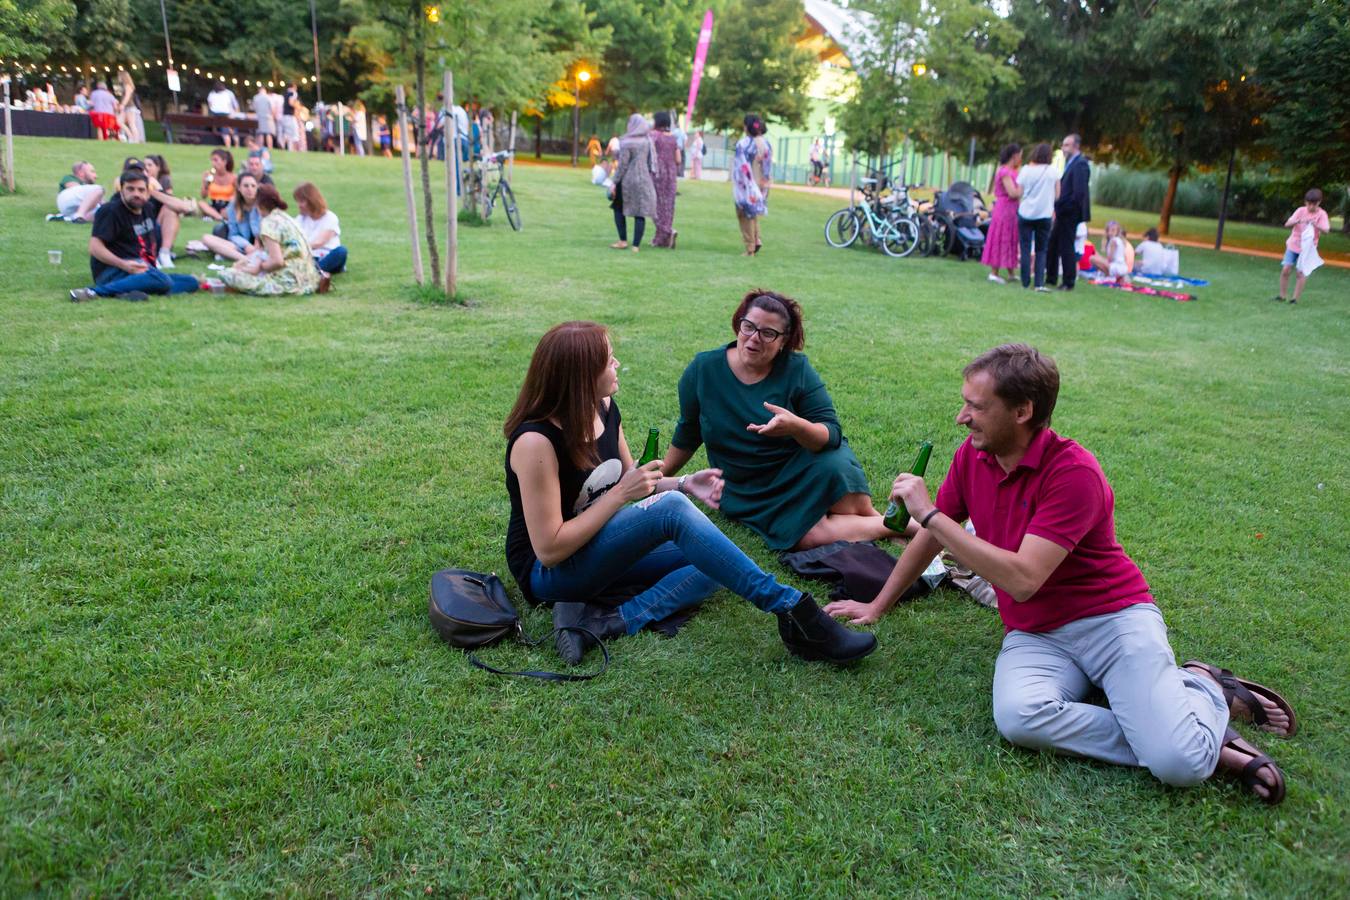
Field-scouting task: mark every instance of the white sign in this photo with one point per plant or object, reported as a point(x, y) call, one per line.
point(174, 84)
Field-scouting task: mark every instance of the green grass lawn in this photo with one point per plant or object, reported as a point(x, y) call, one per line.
point(218, 518)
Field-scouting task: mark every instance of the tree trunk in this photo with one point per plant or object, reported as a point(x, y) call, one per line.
point(1223, 204)
point(539, 137)
point(419, 129)
point(1165, 218)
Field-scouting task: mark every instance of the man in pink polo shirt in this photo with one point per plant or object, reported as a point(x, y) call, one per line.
point(1077, 610)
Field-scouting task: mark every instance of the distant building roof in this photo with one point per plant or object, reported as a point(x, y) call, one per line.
point(833, 32)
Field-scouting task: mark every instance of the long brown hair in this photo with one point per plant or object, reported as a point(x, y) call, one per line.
point(308, 194)
point(269, 199)
point(561, 385)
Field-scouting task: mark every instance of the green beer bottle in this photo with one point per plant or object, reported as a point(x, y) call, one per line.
point(653, 447)
point(897, 517)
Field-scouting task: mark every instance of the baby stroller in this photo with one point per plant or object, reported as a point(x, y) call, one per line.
point(960, 227)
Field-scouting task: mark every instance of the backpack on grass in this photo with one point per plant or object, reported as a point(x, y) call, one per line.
point(471, 610)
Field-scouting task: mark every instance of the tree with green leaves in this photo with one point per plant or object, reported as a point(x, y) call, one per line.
point(648, 59)
point(1302, 69)
point(1191, 101)
point(1073, 69)
point(756, 66)
point(29, 26)
point(926, 69)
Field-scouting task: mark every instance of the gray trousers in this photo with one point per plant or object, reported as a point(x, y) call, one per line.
point(1166, 719)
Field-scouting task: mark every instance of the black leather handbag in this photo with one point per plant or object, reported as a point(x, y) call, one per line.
point(471, 610)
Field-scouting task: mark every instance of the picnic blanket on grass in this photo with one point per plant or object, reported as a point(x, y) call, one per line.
point(1171, 282)
point(1142, 289)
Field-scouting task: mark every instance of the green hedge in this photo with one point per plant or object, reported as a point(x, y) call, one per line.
point(1255, 196)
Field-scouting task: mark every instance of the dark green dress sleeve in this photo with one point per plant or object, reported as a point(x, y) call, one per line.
point(688, 432)
point(812, 402)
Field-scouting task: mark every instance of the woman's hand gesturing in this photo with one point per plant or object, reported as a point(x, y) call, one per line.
point(784, 423)
point(706, 487)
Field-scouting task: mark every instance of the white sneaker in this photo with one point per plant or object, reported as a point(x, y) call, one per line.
point(166, 260)
point(996, 279)
point(196, 247)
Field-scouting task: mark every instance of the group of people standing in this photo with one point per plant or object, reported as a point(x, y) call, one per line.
point(115, 114)
point(283, 121)
point(613, 546)
point(648, 160)
point(646, 168)
point(1036, 215)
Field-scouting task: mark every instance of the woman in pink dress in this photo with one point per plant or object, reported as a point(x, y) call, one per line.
point(1000, 245)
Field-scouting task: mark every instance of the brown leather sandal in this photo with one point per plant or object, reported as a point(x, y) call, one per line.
point(1247, 774)
point(1247, 691)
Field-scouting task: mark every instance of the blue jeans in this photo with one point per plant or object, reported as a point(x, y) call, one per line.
point(333, 261)
point(152, 281)
point(1027, 229)
point(668, 544)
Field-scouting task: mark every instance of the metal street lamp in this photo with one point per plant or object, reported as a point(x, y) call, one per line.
point(583, 76)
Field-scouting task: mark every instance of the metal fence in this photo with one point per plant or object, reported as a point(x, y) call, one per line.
point(792, 164)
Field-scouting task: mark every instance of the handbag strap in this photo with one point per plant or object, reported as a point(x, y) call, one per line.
point(549, 676)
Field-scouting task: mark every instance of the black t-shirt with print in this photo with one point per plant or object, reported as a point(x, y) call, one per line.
point(578, 488)
point(128, 235)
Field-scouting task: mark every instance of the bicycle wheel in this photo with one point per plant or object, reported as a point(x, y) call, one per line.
point(841, 230)
point(900, 239)
point(509, 204)
point(489, 204)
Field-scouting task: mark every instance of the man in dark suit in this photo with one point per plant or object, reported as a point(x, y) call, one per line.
point(1071, 208)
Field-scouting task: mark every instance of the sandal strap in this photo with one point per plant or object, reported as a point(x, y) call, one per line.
point(1232, 687)
point(1257, 763)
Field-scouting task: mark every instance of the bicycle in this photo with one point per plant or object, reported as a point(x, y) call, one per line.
point(501, 190)
point(883, 223)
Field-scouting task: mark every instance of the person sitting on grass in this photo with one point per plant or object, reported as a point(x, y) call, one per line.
point(124, 246)
point(218, 190)
point(1310, 215)
point(1149, 255)
point(243, 221)
point(285, 266)
point(585, 519)
point(322, 230)
point(1117, 256)
point(767, 421)
point(161, 190)
point(256, 164)
point(78, 194)
point(1077, 610)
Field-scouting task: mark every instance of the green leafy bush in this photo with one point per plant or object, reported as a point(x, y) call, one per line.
point(1255, 196)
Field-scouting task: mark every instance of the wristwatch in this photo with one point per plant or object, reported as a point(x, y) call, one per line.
point(679, 483)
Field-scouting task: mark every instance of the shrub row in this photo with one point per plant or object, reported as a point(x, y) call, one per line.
point(1255, 196)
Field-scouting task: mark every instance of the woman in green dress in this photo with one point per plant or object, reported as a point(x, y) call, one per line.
point(286, 265)
point(770, 426)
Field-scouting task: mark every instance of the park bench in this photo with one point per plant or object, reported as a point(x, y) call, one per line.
point(195, 128)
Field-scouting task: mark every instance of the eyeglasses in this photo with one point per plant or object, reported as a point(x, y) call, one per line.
point(767, 335)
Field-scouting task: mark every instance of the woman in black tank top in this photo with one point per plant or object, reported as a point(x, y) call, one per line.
point(584, 518)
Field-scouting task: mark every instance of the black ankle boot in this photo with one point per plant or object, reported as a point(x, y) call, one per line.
point(600, 621)
point(811, 634)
